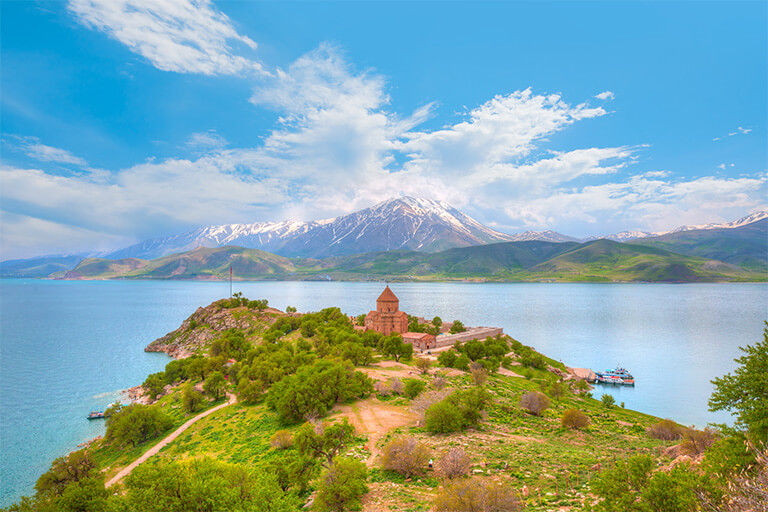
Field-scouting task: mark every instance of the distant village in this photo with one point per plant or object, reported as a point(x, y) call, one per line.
point(388, 319)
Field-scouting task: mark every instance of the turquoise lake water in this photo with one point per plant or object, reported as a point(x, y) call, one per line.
point(67, 347)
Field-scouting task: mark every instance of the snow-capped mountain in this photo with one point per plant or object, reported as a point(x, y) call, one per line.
point(542, 236)
point(399, 223)
point(626, 236)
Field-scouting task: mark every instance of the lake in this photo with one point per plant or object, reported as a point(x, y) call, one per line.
point(68, 347)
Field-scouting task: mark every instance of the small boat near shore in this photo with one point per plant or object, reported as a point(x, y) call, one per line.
point(618, 376)
point(95, 415)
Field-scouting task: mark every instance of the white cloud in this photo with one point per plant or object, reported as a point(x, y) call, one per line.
point(205, 141)
point(606, 95)
point(184, 36)
point(721, 166)
point(337, 147)
point(34, 149)
point(716, 139)
point(744, 130)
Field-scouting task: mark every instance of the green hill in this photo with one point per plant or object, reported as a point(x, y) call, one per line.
point(600, 260)
point(746, 246)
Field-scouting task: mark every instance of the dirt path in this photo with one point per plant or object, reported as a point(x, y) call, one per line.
point(376, 418)
point(162, 444)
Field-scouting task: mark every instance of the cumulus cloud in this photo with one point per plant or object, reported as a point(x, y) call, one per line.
point(606, 95)
point(184, 36)
point(338, 147)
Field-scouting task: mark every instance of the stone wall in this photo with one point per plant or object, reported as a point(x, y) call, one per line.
point(471, 333)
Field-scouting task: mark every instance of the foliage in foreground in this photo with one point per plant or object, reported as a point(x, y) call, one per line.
point(746, 391)
point(341, 486)
point(135, 423)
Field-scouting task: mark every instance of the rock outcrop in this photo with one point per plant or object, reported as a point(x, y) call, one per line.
point(206, 324)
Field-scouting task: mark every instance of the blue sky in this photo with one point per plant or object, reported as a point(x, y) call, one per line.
point(124, 120)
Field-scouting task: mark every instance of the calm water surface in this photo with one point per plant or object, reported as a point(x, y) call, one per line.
point(69, 347)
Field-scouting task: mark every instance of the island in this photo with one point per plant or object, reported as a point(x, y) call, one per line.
point(269, 410)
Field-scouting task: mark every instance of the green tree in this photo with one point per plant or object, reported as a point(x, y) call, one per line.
point(745, 392)
point(447, 358)
point(85, 495)
point(324, 440)
point(457, 327)
point(394, 347)
point(65, 471)
point(215, 385)
point(135, 423)
point(290, 309)
point(341, 486)
point(437, 322)
point(191, 399)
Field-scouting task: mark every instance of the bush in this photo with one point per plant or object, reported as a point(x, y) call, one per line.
point(447, 358)
point(396, 385)
point(439, 382)
point(534, 402)
point(667, 430)
point(341, 486)
point(423, 364)
point(574, 419)
point(479, 375)
point(457, 327)
point(442, 418)
point(64, 471)
point(697, 441)
point(406, 456)
point(453, 464)
point(476, 494)
point(382, 388)
point(281, 440)
point(608, 400)
point(413, 387)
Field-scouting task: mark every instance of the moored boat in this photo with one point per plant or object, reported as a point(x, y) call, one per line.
point(96, 415)
point(617, 376)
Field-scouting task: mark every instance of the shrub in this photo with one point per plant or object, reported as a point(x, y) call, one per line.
point(341, 486)
point(439, 382)
point(608, 400)
point(534, 402)
point(425, 400)
point(423, 364)
point(382, 388)
point(476, 494)
point(248, 391)
point(290, 309)
point(575, 419)
point(457, 327)
point(453, 464)
point(697, 441)
point(479, 375)
point(556, 390)
point(447, 358)
point(667, 430)
point(66, 470)
point(281, 440)
point(413, 387)
point(405, 455)
point(396, 385)
point(442, 418)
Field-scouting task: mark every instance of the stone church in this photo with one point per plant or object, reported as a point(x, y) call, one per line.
point(387, 318)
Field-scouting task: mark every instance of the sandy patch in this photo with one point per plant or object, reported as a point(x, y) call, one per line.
point(375, 418)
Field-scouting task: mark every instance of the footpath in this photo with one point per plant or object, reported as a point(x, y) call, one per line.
point(162, 444)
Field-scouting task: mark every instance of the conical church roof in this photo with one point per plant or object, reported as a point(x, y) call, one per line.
point(387, 296)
